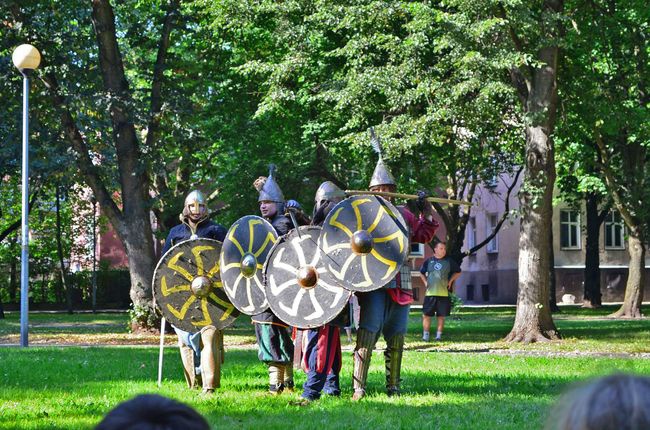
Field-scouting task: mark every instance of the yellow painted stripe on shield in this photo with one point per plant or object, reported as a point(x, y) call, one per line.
point(228, 307)
point(230, 266)
point(207, 319)
point(269, 238)
point(231, 236)
point(335, 223)
point(214, 270)
point(172, 265)
point(196, 251)
point(357, 213)
point(180, 315)
point(167, 291)
point(251, 232)
point(392, 265)
point(397, 235)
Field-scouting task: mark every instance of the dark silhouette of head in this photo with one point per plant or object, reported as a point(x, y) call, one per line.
point(619, 401)
point(153, 412)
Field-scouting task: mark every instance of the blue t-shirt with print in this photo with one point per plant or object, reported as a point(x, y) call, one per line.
point(438, 273)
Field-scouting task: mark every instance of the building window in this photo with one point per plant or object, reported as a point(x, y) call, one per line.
point(493, 245)
point(417, 250)
point(614, 231)
point(569, 229)
point(471, 233)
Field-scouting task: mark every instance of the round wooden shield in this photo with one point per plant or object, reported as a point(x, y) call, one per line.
point(188, 289)
point(366, 241)
point(300, 290)
point(243, 254)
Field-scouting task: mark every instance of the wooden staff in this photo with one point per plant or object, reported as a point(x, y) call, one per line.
point(406, 196)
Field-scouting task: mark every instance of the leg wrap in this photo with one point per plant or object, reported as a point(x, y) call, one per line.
point(288, 376)
point(393, 355)
point(211, 358)
point(276, 376)
point(187, 358)
point(362, 354)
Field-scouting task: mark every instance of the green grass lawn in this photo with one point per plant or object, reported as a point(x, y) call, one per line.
point(471, 380)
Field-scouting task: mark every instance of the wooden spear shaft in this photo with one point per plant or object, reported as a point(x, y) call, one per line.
point(405, 196)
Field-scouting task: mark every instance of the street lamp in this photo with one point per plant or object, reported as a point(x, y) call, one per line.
point(26, 58)
point(93, 200)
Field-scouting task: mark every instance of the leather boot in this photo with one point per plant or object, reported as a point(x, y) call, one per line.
point(362, 354)
point(210, 358)
point(187, 358)
point(393, 355)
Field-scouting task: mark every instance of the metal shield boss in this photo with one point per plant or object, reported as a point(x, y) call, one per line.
point(366, 240)
point(300, 290)
point(243, 254)
point(187, 286)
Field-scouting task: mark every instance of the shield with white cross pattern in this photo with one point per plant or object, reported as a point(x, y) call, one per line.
point(300, 290)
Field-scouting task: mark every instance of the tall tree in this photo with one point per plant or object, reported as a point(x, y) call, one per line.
point(533, 32)
point(106, 134)
point(609, 68)
point(536, 86)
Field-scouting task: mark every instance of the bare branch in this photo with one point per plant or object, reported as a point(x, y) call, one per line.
point(504, 216)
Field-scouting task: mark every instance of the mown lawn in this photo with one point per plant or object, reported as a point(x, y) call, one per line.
point(471, 380)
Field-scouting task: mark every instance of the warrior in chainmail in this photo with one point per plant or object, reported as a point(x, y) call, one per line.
point(198, 350)
point(385, 310)
point(274, 340)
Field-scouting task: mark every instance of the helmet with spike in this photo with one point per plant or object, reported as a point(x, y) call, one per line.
point(270, 190)
point(381, 175)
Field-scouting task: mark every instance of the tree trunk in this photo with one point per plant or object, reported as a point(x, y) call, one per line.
point(533, 321)
point(631, 307)
point(551, 273)
point(59, 250)
point(138, 242)
point(592, 295)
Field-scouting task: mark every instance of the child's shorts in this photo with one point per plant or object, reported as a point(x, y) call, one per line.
point(436, 306)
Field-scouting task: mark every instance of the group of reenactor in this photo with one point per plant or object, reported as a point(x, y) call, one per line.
point(294, 275)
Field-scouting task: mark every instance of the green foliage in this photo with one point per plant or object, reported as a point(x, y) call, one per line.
point(456, 303)
point(604, 121)
point(142, 316)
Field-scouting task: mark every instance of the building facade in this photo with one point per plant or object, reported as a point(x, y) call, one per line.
point(490, 275)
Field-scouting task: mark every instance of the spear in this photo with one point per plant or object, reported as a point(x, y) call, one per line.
point(406, 196)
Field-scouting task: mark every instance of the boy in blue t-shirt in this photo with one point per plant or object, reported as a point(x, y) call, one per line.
point(438, 273)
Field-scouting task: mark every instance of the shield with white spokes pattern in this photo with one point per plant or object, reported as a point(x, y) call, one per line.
point(243, 254)
point(366, 240)
point(188, 289)
point(300, 290)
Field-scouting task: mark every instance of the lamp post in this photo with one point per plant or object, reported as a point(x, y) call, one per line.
point(94, 294)
point(26, 58)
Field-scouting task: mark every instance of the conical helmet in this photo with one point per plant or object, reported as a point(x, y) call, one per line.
point(271, 190)
point(381, 175)
point(329, 191)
